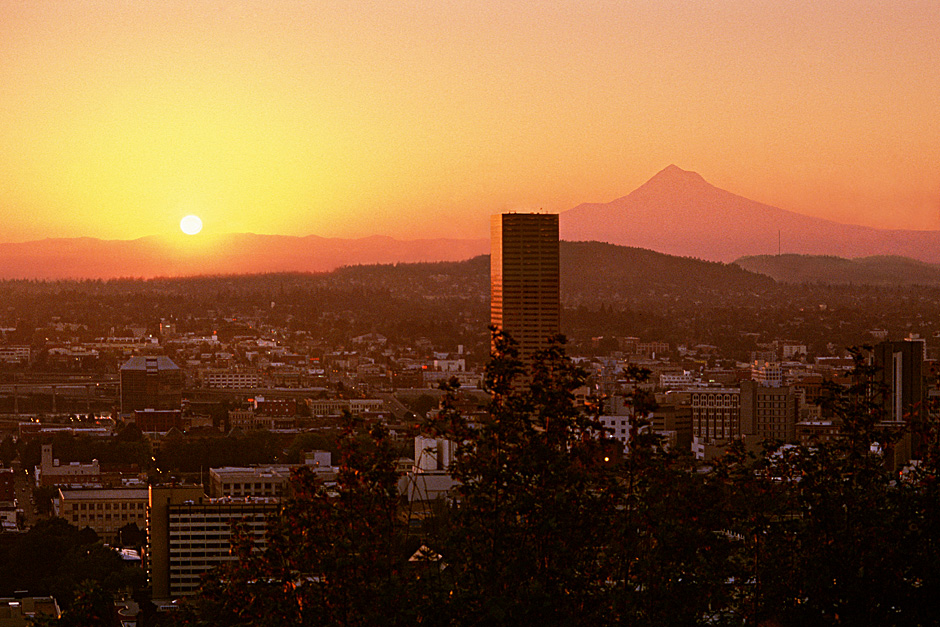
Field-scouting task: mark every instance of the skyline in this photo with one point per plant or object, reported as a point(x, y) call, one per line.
point(119, 119)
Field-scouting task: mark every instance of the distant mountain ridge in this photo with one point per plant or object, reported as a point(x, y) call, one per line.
point(828, 270)
point(676, 213)
point(679, 213)
point(241, 253)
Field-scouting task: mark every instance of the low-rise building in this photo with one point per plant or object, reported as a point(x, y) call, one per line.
point(232, 380)
point(23, 611)
point(336, 406)
point(265, 414)
point(9, 516)
point(14, 354)
point(328, 406)
point(256, 481)
point(669, 380)
point(51, 472)
point(265, 481)
point(104, 510)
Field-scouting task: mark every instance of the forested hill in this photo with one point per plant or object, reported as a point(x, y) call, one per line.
point(591, 273)
point(826, 270)
point(447, 302)
point(594, 272)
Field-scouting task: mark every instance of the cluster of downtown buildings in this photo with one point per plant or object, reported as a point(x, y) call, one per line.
point(279, 386)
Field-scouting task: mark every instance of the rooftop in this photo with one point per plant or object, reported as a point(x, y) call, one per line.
point(149, 363)
point(110, 493)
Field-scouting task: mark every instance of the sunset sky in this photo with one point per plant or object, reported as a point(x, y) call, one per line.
point(420, 119)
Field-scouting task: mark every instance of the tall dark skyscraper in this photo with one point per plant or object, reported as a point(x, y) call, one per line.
point(900, 370)
point(524, 278)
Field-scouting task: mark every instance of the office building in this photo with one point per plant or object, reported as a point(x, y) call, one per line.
point(150, 382)
point(674, 423)
point(7, 485)
point(272, 480)
point(716, 414)
point(524, 273)
point(716, 420)
point(769, 412)
point(767, 373)
point(900, 370)
point(189, 534)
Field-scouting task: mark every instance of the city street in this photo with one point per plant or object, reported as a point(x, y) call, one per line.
point(24, 497)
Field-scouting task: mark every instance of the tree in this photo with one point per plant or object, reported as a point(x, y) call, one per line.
point(309, 442)
point(422, 404)
point(130, 535)
point(545, 527)
point(130, 433)
point(43, 496)
point(534, 497)
point(55, 558)
point(831, 533)
point(8, 450)
point(93, 607)
point(335, 555)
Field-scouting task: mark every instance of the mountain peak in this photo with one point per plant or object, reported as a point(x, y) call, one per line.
point(674, 175)
point(680, 213)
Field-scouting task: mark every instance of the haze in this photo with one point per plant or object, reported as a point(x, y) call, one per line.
point(416, 120)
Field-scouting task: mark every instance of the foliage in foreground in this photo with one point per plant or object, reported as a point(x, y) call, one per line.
point(546, 528)
point(55, 558)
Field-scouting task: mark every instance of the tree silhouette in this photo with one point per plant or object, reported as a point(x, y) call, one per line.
point(545, 527)
point(335, 555)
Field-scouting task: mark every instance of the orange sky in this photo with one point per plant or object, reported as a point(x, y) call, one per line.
point(420, 119)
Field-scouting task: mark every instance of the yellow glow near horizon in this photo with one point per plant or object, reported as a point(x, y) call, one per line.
point(351, 119)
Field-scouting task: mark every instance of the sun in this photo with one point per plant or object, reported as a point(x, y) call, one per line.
point(191, 225)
